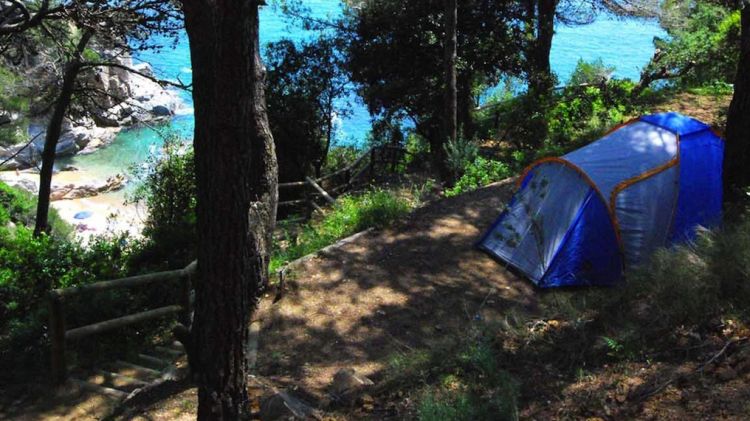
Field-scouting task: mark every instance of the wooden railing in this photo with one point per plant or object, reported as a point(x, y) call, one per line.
point(340, 181)
point(60, 334)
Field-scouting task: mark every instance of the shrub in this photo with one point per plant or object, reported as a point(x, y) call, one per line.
point(594, 72)
point(459, 154)
point(477, 174)
point(19, 207)
point(339, 157)
point(30, 267)
point(167, 187)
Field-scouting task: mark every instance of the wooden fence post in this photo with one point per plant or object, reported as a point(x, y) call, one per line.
point(57, 339)
point(185, 288)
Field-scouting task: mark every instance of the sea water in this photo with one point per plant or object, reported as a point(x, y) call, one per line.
point(626, 44)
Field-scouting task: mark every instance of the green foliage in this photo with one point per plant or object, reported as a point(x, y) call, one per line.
point(582, 114)
point(459, 155)
point(19, 207)
point(594, 73)
point(351, 214)
point(12, 99)
point(304, 90)
point(167, 188)
point(479, 173)
point(460, 379)
point(339, 157)
point(689, 284)
point(703, 36)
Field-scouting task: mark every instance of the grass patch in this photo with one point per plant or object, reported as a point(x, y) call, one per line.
point(459, 379)
point(351, 214)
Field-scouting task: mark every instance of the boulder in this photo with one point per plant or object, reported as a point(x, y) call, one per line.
point(347, 386)
point(161, 111)
point(5, 118)
point(66, 147)
point(283, 406)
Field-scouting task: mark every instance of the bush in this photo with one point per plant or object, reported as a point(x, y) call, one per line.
point(350, 214)
point(30, 267)
point(167, 188)
point(477, 174)
point(594, 72)
point(19, 207)
point(459, 154)
point(339, 157)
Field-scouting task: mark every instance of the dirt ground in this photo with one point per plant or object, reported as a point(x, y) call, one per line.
point(388, 291)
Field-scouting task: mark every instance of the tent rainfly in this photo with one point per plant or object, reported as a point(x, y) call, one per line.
point(579, 219)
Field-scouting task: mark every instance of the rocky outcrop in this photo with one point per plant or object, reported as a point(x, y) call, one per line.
point(72, 191)
point(130, 99)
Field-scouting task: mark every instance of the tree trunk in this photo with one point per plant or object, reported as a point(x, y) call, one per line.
point(54, 130)
point(737, 146)
point(540, 28)
point(237, 182)
point(541, 81)
point(466, 105)
point(451, 95)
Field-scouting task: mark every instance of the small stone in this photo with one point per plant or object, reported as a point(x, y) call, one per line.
point(726, 373)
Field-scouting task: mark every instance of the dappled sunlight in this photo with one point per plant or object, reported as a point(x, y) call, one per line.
point(389, 291)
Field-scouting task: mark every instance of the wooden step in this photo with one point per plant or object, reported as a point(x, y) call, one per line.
point(170, 352)
point(153, 362)
point(102, 390)
point(121, 381)
point(135, 370)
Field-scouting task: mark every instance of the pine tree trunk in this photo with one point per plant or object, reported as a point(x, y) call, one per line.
point(451, 95)
point(737, 146)
point(237, 184)
point(54, 130)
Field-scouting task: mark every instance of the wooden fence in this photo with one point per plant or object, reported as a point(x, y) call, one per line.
point(368, 165)
point(342, 180)
point(60, 334)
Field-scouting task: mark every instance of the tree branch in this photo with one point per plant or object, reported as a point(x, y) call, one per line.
point(162, 82)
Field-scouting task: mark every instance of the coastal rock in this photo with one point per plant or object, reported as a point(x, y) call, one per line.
point(23, 184)
point(5, 118)
point(72, 191)
point(161, 111)
point(66, 147)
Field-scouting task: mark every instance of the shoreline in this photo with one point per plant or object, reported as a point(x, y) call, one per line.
point(101, 214)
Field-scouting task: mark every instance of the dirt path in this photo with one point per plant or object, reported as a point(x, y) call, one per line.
point(387, 292)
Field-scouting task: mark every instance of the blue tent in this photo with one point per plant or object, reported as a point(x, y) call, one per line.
point(581, 218)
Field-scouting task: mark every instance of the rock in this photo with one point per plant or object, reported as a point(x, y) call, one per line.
point(161, 111)
point(66, 147)
point(5, 118)
point(69, 168)
point(347, 385)
point(72, 191)
point(283, 406)
point(726, 373)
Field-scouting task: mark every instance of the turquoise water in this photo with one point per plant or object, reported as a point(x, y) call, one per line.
point(625, 44)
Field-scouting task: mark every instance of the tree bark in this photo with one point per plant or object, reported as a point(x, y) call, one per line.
point(540, 28)
point(54, 130)
point(737, 146)
point(466, 105)
point(237, 182)
point(451, 94)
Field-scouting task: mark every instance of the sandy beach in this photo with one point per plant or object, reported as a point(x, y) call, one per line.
point(105, 213)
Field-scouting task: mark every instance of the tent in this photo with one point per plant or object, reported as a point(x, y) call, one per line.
point(581, 218)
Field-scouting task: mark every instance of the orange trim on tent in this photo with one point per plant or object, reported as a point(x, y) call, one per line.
point(633, 180)
point(590, 182)
point(717, 132)
point(621, 125)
